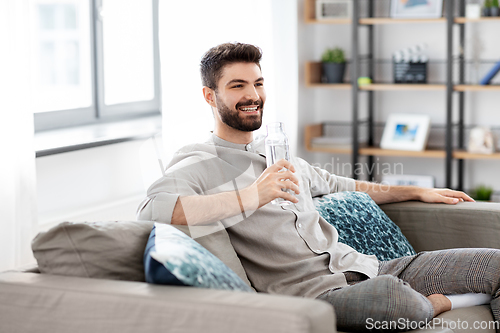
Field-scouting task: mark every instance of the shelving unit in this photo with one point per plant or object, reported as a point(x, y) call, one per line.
point(313, 131)
point(313, 78)
point(449, 154)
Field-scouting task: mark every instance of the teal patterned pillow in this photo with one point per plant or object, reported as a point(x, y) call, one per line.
point(362, 225)
point(173, 258)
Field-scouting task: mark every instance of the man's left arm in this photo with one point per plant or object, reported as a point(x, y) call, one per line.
point(382, 194)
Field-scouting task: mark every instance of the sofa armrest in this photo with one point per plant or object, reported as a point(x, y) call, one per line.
point(440, 226)
point(32, 302)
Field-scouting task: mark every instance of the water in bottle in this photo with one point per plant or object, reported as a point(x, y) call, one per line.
point(277, 149)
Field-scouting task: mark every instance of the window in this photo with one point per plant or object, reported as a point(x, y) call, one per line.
point(93, 61)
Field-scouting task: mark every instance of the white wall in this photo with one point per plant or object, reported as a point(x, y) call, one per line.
point(482, 108)
point(102, 183)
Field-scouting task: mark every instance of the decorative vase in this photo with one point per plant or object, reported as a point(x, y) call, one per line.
point(494, 11)
point(486, 11)
point(334, 72)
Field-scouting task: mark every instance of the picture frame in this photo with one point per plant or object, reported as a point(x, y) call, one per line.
point(333, 9)
point(416, 8)
point(406, 132)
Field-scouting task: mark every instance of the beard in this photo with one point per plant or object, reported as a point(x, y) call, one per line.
point(232, 117)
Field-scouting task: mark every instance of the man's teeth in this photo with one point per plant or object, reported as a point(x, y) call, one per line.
point(249, 109)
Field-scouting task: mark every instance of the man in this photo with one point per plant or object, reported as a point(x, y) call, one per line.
point(289, 249)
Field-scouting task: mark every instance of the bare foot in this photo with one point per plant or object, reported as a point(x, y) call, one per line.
point(440, 303)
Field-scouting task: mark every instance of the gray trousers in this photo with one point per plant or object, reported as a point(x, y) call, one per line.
point(399, 291)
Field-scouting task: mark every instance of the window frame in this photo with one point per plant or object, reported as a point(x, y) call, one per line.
point(98, 112)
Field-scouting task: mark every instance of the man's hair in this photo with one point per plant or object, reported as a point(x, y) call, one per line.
point(217, 57)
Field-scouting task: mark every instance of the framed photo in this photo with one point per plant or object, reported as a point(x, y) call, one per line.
point(406, 132)
point(333, 9)
point(416, 8)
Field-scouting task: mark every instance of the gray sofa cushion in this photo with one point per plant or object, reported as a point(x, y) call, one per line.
point(114, 250)
point(42, 303)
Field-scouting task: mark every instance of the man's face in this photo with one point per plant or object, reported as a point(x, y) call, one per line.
point(240, 96)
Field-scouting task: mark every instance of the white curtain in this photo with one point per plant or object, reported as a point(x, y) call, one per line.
point(18, 212)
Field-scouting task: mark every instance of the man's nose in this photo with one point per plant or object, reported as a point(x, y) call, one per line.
point(252, 94)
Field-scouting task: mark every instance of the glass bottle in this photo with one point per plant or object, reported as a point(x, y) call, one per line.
point(277, 149)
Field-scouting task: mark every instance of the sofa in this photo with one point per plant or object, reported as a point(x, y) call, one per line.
point(87, 301)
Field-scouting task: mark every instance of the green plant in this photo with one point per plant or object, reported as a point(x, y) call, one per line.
point(494, 3)
point(481, 192)
point(335, 55)
point(488, 3)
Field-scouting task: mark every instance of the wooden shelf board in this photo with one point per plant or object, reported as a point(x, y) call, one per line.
point(467, 87)
point(430, 153)
point(461, 154)
point(372, 21)
point(377, 151)
point(329, 21)
point(481, 19)
point(330, 85)
point(316, 130)
point(401, 86)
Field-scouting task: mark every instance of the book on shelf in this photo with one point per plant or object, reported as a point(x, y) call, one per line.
point(488, 77)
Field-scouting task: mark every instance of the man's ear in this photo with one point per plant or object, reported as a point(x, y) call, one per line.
point(209, 95)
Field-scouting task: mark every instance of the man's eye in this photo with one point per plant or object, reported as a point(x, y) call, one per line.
point(237, 86)
point(259, 84)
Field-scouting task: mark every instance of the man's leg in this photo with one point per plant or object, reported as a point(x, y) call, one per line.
point(448, 272)
point(383, 300)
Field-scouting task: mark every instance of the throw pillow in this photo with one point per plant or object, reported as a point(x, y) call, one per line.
point(171, 257)
point(362, 225)
point(103, 250)
point(216, 240)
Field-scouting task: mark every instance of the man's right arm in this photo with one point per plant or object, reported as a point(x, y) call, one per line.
point(205, 209)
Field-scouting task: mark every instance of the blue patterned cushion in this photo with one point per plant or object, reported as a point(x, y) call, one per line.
point(173, 258)
point(362, 225)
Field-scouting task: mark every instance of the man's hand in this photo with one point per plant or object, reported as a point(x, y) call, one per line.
point(269, 184)
point(205, 209)
point(444, 195)
point(383, 194)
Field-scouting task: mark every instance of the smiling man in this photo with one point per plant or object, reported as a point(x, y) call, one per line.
point(290, 249)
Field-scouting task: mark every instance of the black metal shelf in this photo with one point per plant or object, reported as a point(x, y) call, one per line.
point(452, 133)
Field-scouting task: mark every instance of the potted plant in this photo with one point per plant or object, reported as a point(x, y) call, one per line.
point(333, 65)
point(487, 8)
point(494, 8)
point(482, 193)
